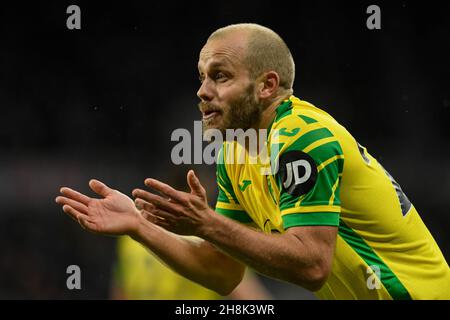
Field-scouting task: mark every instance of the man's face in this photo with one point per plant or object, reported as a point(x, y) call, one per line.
point(227, 93)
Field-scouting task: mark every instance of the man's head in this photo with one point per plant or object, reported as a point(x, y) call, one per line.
point(243, 69)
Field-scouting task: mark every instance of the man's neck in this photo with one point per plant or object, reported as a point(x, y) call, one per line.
point(270, 113)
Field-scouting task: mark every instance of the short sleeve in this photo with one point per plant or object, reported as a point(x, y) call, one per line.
point(309, 162)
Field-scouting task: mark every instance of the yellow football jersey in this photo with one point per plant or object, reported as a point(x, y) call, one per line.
point(320, 175)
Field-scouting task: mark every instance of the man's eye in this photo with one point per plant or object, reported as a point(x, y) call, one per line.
point(201, 78)
point(220, 76)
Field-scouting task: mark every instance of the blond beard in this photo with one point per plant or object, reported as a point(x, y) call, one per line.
point(244, 113)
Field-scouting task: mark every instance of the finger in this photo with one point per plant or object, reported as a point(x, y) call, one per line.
point(165, 189)
point(75, 195)
point(143, 205)
point(72, 203)
point(74, 214)
point(146, 210)
point(100, 188)
point(86, 224)
point(157, 201)
point(150, 217)
point(195, 185)
point(73, 217)
point(156, 220)
point(160, 214)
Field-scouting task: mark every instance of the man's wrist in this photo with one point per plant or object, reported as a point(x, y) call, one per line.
point(211, 225)
point(141, 225)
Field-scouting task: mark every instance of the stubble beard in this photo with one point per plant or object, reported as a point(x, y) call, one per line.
point(243, 113)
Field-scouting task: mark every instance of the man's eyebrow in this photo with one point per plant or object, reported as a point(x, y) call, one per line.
point(218, 63)
point(221, 62)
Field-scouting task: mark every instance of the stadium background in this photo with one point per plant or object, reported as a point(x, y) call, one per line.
point(102, 102)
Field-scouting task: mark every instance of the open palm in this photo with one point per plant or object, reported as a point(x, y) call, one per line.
point(114, 214)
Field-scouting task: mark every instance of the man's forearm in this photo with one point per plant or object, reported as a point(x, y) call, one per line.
point(273, 255)
point(194, 259)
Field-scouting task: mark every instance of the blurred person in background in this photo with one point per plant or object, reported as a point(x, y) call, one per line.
point(139, 275)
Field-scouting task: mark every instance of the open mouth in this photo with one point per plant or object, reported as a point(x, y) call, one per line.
point(210, 114)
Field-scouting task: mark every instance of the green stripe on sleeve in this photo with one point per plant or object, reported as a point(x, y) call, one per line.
point(236, 215)
point(389, 280)
point(310, 219)
point(326, 151)
point(310, 137)
point(308, 120)
point(337, 194)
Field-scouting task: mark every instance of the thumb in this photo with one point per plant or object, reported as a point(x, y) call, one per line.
point(195, 185)
point(100, 188)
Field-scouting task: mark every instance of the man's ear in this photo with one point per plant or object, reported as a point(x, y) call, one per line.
point(268, 85)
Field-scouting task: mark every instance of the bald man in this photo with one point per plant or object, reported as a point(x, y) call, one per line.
point(326, 217)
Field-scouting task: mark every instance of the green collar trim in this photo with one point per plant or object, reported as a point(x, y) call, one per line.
point(285, 106)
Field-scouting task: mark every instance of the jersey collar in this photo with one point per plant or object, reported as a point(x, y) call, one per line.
point(281, 109)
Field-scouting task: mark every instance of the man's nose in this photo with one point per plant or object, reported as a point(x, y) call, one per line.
point(205, 92)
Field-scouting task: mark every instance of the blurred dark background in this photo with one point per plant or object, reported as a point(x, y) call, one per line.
point(103, 101)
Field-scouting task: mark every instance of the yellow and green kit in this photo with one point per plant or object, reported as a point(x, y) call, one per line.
point(320, 176)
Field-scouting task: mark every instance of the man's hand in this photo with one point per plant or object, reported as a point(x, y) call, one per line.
point(114, 214)
point(176, 211)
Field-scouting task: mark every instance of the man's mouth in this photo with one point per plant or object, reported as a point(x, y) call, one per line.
point(208, 115)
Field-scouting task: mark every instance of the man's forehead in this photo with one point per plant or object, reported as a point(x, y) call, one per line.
point(222, 51)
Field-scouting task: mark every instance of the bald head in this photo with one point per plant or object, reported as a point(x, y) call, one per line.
point(264, 50)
